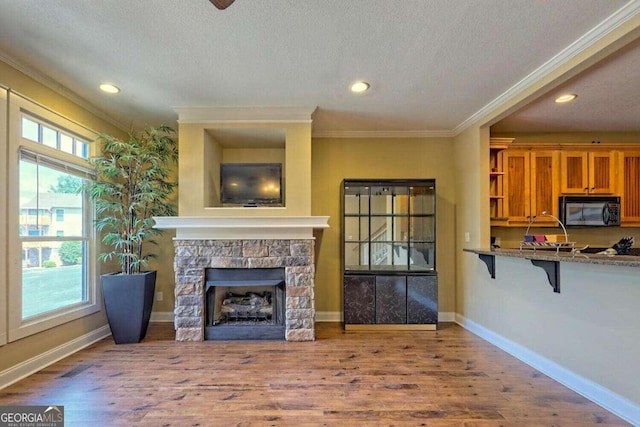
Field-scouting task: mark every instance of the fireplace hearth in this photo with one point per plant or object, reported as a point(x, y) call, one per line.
point(244, 304)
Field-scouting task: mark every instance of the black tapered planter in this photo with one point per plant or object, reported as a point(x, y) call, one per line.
point(128, 299)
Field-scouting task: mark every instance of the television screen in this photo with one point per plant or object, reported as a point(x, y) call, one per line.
point(252, 184)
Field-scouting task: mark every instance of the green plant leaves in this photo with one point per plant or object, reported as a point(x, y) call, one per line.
point(132, 186)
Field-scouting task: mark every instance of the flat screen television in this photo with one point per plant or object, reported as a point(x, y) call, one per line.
point(251, 184)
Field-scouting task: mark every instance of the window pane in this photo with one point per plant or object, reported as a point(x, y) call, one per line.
point(30, 129)
point(351, 204)
point(356, 255)
point(356, 228)
point(49, 137)
point(53, 194)
point(423, 229)
point(52, 276)
point(66, 143)
point(82, 149)
point(53, 271)
point(422, 200)
point(422, 256)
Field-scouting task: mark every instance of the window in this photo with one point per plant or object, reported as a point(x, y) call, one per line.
point(53, 264)
point(45, 134)
point(52, 272)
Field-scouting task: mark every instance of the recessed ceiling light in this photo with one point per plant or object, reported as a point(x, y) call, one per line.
point(359, 87)
point(109, 88)
point(566, 98)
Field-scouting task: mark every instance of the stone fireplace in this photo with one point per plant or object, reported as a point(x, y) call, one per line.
point(244, 243)
point(194, 256)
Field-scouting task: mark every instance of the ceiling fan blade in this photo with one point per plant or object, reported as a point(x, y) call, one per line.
point(222, 4)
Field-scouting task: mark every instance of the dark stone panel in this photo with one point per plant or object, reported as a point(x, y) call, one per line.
point(391, 299)
point(422, 299)
point(359, 300)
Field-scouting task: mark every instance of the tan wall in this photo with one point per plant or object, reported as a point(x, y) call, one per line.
point(212, 153)
point(336, 159)
point(19, 351)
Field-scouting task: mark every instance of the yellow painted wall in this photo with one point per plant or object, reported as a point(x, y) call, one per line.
point(386, 158)
point(19, 351)
point(212, 153)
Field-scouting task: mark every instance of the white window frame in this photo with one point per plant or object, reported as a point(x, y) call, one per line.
point(4, 305)
point(17, 327)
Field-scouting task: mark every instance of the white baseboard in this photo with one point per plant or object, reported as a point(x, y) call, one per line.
point(328, 316)
point(41, 361)
point(446, 316)
point(162, 316)
point(602, 396)
point(321, 316)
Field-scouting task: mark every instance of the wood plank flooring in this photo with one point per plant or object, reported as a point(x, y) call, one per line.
point(445, 378)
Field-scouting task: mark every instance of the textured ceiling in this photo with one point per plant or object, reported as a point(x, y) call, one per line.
point(608, 100)
point(431, 64)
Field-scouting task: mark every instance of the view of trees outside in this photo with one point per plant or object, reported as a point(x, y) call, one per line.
point(51, 228)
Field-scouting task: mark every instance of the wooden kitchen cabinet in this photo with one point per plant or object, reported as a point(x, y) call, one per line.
point(497, 149)
point(588, 172)
point(629, 186)
point(531, 186)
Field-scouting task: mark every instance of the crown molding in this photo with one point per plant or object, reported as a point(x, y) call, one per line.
point(247, 114)
point(384, 134)
point(600, 31)
point(60, 89)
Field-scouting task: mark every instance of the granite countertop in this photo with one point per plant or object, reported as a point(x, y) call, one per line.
point(552, 255)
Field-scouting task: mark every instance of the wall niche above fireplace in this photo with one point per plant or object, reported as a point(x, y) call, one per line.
point(210, 136)
point(229, 156)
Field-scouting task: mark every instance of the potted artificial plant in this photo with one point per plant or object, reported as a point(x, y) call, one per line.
point(132, 186)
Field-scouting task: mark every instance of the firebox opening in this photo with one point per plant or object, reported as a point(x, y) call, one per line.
point(244, 303)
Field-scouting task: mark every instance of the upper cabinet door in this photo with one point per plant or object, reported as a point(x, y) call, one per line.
point(531, 186)
point(574, 172)
point(629, 185)
point(586, 172)
point(517, 186)
point(545, 188)
point(602, 177)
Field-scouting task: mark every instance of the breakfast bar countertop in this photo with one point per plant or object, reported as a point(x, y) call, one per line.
point(552, 255)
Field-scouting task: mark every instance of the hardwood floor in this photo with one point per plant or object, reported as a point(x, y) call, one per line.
point(445, 378)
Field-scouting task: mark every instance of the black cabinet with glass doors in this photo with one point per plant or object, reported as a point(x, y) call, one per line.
point(388, 254)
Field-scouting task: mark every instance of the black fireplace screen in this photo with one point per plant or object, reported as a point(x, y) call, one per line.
point(237, 300)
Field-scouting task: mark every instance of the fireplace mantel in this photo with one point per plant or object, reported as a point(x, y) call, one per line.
point(243, 227)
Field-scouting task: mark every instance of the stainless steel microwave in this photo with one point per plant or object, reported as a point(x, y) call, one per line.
point(591, 211)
